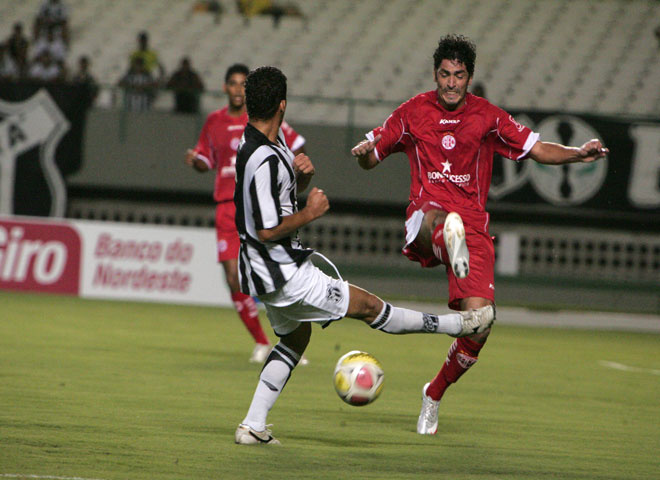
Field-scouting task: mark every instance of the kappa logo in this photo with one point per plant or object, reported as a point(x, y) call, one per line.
point(334, 294)
point(37, 121)
point(430, 322)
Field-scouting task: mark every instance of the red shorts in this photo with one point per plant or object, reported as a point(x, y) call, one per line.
point(225, 231)
point(481, 280)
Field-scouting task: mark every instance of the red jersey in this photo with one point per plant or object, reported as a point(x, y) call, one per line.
point(451, 152)
point(218, 143)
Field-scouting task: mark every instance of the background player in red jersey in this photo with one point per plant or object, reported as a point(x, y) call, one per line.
point(450, 137)
point(216, 149)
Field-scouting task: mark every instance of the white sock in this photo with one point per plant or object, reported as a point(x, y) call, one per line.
point(276, 372)
point(401, 320)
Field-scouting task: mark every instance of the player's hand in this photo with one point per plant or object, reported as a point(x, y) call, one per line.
point(190, 157)
point(365, 147)
point(317, 203)
point(592, 150)
point(302, 165)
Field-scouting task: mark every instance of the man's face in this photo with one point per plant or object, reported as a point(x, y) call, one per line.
point(235, 90)
point(453, 81)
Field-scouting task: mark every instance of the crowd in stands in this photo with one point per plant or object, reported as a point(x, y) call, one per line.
point(42, 58)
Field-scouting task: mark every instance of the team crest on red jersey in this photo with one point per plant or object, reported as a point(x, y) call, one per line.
point(448, 141)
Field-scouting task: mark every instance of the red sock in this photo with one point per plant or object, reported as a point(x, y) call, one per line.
point(247, 310)
point(438, 244)
point(462, 354)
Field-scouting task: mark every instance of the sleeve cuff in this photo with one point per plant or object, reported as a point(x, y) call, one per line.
point(297, 143)
point(370, 137)
point(205, 160)
point(529, 143)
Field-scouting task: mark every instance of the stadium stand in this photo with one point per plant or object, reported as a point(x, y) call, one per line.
point(532, 53)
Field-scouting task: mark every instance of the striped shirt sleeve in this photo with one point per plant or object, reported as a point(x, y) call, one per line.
point(264, 195)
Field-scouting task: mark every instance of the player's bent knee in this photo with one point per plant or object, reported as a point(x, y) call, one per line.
point(434, 217)
point(480, 337)
point(299, 338)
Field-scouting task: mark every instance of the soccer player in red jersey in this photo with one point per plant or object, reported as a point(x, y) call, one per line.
point(216, 149)
point(450, 137)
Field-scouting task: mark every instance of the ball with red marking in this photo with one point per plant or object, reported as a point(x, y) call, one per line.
point(358, 378)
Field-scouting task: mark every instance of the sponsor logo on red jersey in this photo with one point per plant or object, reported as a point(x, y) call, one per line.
point(435, 176)
point(42, 257)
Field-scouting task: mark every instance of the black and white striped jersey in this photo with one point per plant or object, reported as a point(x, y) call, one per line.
point(265, 192)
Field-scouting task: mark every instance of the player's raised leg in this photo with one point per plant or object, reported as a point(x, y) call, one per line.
point(383, 316)
point(444, 234)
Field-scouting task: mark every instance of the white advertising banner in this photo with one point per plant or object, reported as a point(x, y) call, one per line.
point(113, 261)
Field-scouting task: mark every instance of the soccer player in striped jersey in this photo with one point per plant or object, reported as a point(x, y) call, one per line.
point(274, 265)
point(449, 137)
point(216, 150)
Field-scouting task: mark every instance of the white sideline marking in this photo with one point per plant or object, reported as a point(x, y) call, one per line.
point(626, 368)
point(45, 477)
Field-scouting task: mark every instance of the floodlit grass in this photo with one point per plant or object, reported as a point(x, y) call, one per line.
point(110, 390)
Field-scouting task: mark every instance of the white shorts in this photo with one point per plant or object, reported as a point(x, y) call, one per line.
point(309, 296)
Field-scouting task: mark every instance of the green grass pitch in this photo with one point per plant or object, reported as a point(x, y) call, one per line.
point(110, 390)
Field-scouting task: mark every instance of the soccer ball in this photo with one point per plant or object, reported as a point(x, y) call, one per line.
point(358, 378)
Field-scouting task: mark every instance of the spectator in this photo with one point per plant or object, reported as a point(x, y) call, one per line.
point(479, 89)
point(657, 34)
point(51, 43)
point(187, 86)
point(250, 8)
point(149, 57)
point(8, 69)
point(17, 47)
point(83, 79)
point(139, 86)
point(209, 6)
point(53, 15)
point(46, 69)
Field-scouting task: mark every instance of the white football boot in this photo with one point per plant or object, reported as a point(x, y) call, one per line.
point(453, 234)
point(427, 424)
point(476, 320)
point(260, 353)
point(246, 435)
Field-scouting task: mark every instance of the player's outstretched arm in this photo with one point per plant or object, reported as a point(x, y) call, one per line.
point(555, 154)
point(192, 161)
point(364, 153)
point(317, 205)
point(304, 170)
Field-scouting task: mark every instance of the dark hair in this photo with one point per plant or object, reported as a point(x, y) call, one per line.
point(236, 68)
point(456, 47)
point(265, 88)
